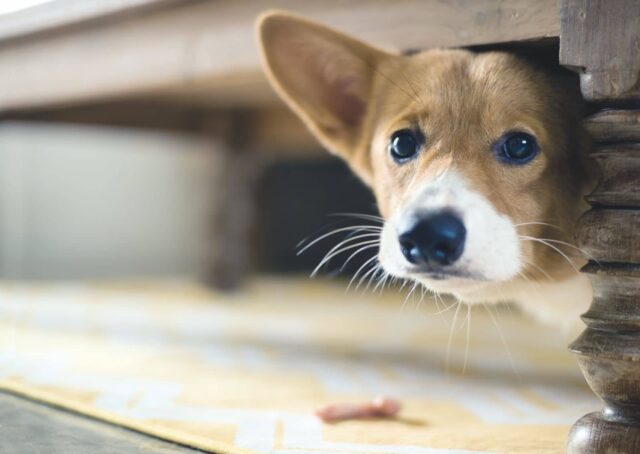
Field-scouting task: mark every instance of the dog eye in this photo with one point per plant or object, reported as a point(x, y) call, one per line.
point(404, 145)
point(517, 147)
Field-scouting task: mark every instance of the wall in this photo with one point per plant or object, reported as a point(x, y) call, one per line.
point(89, 202)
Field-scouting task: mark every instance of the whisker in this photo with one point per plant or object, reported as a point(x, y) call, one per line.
point(451, 332)
point(466, 349)
point(538, 240)
point(372, 277)
point(446, 309)
point(539, 223)
point(359, 270)
point(352, 239)
point(502, 339)
point(334, 249)
point(381, 282)
point(538, 268)
point(508, 306)
point(533, 284)
point(370, 217)
point(415, 285)
point(440, 311)
point(386, 278)
point(463, 322)
point(423, 292)
point(329, 255)
point(564, 243)
point(355, 228)
point(367, 274)
point(435, 300)
point(346, 262)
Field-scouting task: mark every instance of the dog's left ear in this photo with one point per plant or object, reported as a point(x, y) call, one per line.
point(324, 76)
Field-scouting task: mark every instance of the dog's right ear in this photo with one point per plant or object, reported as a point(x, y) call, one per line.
point(324, 76)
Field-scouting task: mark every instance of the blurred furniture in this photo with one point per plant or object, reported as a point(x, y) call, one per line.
point(192, 65)
point(87, 202)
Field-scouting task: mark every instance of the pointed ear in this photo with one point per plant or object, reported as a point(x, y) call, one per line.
point(324, 76)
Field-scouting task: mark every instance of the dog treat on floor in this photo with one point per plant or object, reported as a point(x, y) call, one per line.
point(380, 407)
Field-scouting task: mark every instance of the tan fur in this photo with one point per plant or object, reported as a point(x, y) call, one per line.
point(353, 97)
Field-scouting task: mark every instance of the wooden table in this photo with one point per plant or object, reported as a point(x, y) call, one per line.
point(192, 65)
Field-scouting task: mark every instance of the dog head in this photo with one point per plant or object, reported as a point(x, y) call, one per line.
point(471, 156)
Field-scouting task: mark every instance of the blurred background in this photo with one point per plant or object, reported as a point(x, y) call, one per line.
point(132, 151)
point(104, 202)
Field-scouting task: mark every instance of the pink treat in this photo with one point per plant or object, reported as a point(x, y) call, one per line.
point(380, 407)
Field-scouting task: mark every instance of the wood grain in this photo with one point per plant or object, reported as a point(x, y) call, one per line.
point(620, 176)
point(616, 297)
point(615, 126)
point(593, 435)
point(204, 52)
point(610, 235)
point(601, 40)
point(51, 16)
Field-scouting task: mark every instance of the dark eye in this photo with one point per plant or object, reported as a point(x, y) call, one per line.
point(517, 147)
point(404, 145)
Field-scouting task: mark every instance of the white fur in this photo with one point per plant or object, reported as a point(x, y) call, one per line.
point(492, 249)
point(491, 256)
point(557, 303)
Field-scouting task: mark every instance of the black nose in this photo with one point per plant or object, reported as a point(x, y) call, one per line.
point(437, 239)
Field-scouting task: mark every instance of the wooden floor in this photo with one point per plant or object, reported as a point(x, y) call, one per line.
point(30, 427)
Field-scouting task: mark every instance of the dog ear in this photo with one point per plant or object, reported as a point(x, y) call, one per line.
point(323, 75)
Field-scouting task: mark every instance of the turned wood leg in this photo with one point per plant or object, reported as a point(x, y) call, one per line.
point(601, 40)
point(609, 349)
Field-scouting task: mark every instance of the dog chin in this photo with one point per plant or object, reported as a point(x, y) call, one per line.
point(458, 286)
point(465, 287)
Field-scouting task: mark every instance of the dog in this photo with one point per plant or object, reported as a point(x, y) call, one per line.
point(478, 161)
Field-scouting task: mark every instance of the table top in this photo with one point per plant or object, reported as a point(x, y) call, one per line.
point(203, 52)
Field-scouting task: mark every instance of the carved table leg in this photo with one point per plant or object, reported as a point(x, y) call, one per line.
point(609, 349)
point(600, 39)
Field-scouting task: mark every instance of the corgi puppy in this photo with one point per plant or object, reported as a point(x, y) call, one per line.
point(478, 161)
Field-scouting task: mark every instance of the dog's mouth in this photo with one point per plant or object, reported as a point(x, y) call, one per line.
point(439, 274)
point(461, 283)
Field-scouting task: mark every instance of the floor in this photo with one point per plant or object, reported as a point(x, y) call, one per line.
point(242, 372)
point(30, 427)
